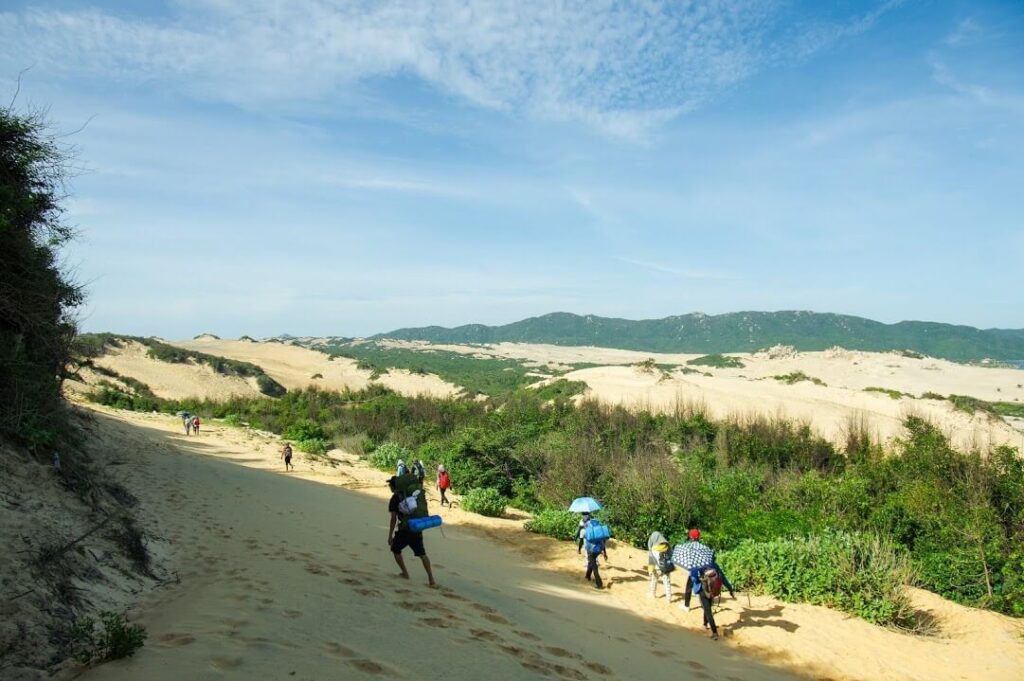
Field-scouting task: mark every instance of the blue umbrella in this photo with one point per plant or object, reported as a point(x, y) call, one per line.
point(585, 505)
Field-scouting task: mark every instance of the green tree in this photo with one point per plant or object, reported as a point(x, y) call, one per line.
point(36, 297)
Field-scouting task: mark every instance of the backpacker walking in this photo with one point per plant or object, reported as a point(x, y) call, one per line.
point(659, 564)
point(444, 483)
point(595, 537)
point(407, 500)
point(706, 577)
point(286, 454)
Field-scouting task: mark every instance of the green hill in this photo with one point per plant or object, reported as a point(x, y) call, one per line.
point(737, 332)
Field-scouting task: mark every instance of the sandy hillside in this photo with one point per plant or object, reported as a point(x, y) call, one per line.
point(288, 575)
point(171, 380)
point(294, 367)
point(753, 390)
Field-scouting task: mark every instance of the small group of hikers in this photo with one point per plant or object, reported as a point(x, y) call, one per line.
point(190, 423)
point(443, 482)
point(704, 576)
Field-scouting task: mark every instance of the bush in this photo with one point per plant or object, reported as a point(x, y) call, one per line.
point(797, 377)
point(114, 639)
point(387, 455)
point(719, 361)
point(233, 420)
point(554, 523)
point(856, 573)
point(315, 445)
point(485, 501)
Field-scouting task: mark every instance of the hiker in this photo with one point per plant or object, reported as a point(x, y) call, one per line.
point(400, 536)
point(659, 564)
point(706, 577)
point(402, 469)
point(581, 532)
point(286, 454)
point(195, 425)
point(444, 483)
point(595, 546)
point(186, 420)
point(419, 470)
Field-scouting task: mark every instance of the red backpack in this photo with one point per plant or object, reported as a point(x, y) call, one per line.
point(442, 480)
point(711, 583)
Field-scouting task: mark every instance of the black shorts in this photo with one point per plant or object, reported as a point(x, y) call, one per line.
point(414, 540)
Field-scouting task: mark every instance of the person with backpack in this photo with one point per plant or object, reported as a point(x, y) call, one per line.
point(706, 577)
point(659, 564)
point(286, 454)
point(596, 535)
point(444, 483)
point(419, 470)
point(402, 469)
point(407, 501)
point(186, 420)
point(195, 425)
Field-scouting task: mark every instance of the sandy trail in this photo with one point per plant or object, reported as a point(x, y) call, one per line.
point(288, 575)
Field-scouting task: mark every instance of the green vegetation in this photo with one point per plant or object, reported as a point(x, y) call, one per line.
point(485, 501)
point(495, 377)
point(36, 297)
point(911, 354)
point(932, 396)
point(113, 639)
point(561, 389)
point(1015, 409)
point(717, 361)
point(387, 456)
point(855, 573)
point(91, 345)
point(894, 394)
point(798, 377)
point(739, 332)
point(555, 523)
point(957, 517)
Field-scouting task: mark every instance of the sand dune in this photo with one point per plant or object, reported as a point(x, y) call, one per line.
point(294, 367)
point(288, 575)
point(173, 380)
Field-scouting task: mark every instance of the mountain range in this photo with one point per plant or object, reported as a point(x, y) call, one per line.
point(738, 332)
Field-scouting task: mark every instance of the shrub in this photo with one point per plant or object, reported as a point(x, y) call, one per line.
point(233, 420)
point(316, 376)
point(894, 394)
point(485, 501)
point(315, 445)
point(386, 456)
point(269, 386)
point(114, 638)
point(718, 361)
point(554, 523)
point(856, 573)
point(797, 377)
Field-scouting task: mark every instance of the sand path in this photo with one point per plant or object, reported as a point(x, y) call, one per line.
point(288, 575)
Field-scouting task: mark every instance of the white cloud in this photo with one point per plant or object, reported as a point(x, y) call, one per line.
point(620, 68)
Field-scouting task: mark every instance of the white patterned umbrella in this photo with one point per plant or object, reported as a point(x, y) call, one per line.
point(692, 555)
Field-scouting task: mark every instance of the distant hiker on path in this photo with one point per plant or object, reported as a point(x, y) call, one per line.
point(659, 564)
point(286, 454)
point(186, 421)
point(400, 536)
point(419, 470)
point(706, 577)
point(444, 483)
point(595, 536)
point(195, 425)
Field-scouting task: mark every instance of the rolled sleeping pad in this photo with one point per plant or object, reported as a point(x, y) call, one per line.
point(420, 524)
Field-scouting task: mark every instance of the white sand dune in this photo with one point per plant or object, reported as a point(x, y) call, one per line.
point(288, 576)
point(173, 380)
point(294, 367)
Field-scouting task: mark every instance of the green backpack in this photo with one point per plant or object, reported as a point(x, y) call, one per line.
point(412, 499)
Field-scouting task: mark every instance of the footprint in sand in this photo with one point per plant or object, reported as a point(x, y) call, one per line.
point(497, 619)
point(338, 650)
point(292, 614)
point(562, 652)
point(598, 667)
point(528, 636)
point(437, 622)
point(175, 640)
point(371, 667)
point(226, 663)
point(484, 635)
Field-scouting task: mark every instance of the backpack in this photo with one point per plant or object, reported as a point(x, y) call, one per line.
point(443, 481)
point(665, 564)
point(419, 471)
point(597, 533)
point(412, 501)
point(711, 583)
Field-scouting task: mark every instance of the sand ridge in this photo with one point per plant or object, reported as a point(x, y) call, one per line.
point(288, 573)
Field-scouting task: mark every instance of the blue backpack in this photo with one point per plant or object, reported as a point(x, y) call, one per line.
point(597, 533)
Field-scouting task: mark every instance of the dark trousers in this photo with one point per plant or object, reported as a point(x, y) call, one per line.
point(444, 498)
point(705, 602)
point(592, 568)
point(579, 545)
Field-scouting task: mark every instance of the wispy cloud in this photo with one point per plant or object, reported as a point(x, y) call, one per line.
point(623, 69)
point(675, 271)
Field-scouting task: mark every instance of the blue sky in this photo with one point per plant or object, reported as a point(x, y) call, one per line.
point(346, 167)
